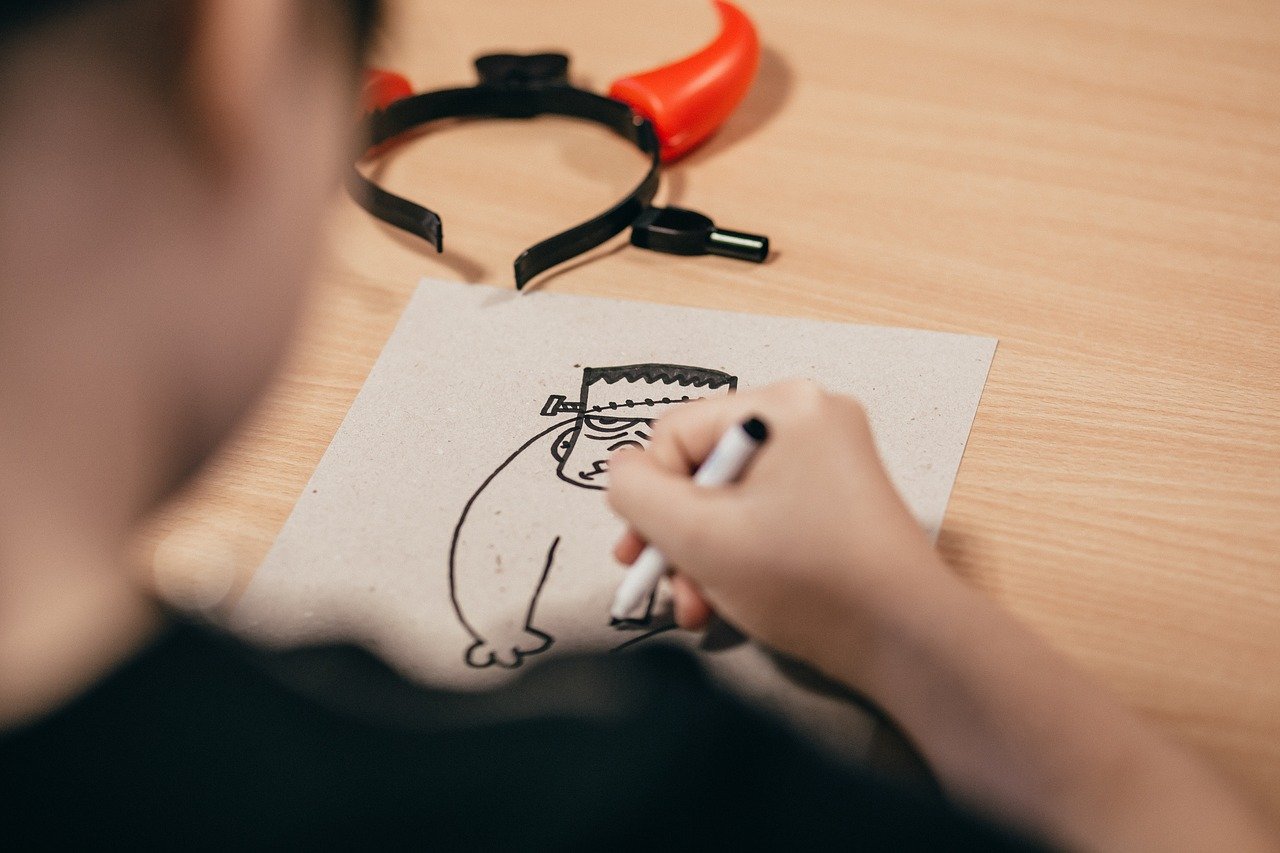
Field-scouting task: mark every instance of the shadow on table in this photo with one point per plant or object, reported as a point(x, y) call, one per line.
point(768, 95)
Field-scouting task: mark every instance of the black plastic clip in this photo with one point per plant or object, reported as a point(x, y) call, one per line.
point(677, 231)
point(518, 71)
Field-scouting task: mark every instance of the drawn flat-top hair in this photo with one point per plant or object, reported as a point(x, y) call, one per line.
point(616, 405)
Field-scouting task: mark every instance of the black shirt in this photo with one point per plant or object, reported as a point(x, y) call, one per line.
point(202, 741)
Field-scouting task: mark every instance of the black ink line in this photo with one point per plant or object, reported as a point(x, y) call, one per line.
point(546, 570)
point(667, 374)
point(643, 637)
point(457, 529)
point(600, 466)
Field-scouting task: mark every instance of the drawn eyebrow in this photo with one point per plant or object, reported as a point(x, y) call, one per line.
point(604, 420)
point(606, 424)
point(611, 437)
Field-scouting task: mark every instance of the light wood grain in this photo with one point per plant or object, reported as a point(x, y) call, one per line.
point(1095, 183)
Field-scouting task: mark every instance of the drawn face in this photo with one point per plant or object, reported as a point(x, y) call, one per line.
point(583, 449)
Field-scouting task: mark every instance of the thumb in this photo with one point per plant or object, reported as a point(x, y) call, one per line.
point(665, 508)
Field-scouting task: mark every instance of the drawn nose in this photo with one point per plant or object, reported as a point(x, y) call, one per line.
point(600, 466)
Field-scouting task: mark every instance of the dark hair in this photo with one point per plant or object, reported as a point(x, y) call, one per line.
point(365, 17)
point(15, 17)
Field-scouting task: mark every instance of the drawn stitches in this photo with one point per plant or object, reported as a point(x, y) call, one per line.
point(515, 537)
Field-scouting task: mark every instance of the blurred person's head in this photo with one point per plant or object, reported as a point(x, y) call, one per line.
point(165, 166)
point(164, 169)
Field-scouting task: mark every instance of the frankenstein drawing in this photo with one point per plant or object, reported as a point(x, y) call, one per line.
point(522, 571)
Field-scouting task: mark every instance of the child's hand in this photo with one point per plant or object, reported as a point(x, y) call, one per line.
point(814, 554)
point(807, 548)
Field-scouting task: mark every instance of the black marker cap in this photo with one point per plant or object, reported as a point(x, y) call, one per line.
point(756, 429)
point(677, 231)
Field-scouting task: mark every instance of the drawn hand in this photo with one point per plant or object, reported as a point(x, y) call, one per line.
point(507, 651)
point(811, 542)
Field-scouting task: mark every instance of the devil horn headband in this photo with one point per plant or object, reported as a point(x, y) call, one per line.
point(665, 112)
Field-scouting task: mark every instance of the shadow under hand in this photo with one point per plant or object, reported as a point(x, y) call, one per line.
point(890, 751)
point(962, 552)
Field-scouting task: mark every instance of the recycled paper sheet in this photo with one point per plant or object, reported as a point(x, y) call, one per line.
point(457, 523)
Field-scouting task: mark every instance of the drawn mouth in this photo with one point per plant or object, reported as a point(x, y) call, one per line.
point(600, 466)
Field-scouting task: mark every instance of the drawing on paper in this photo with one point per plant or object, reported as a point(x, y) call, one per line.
point(517, 579)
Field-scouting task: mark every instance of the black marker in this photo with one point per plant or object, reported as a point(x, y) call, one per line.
point(731, 454)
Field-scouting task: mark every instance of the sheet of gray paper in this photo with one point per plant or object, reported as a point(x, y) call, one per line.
point(457, 525)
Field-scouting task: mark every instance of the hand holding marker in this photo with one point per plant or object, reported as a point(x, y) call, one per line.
point(726, 462)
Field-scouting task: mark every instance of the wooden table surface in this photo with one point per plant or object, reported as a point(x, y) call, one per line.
point(1095, 183)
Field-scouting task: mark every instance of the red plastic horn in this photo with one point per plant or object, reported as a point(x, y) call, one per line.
point(381, 87)
point(689, 99)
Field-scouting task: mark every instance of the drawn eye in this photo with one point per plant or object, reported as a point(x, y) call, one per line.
point(611, 427)
point(563, 443)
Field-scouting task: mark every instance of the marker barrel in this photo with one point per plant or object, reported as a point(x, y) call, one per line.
point(726, 462)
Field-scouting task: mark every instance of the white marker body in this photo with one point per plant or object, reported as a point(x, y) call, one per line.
point(722, 467)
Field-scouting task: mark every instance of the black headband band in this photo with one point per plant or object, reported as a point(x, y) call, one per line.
point(527, 86)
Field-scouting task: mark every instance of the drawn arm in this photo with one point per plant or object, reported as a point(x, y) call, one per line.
point(502, 550)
